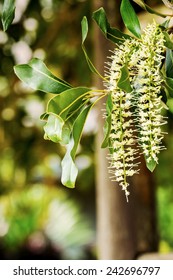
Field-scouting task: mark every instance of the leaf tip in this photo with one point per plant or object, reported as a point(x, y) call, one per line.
point(68, 184)
point(84, 26)
point(151, 165)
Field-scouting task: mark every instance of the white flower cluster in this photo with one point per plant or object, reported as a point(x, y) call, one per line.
point(122, 136)
point(136, 116)
point(148, 83)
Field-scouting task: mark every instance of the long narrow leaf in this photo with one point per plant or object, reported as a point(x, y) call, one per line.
point(84, 26)
point(169, 63)
point(169, 85)
point(38, 77)
point(8, 13)
point(69, 169)
point(113, 34)
point(130, 18)
point(168, 41)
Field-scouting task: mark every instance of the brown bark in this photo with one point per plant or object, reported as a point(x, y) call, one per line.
point(123, 229)
point(115, 230)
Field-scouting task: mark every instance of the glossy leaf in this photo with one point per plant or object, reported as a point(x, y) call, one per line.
point(169, 63)
point(169, 85)
point(151, 165)
point(38, 77)
point(148, 9)
point(44, 116)
point(130, 18)
point(69, 169)
point(110, 33)
point(84, 26)
point(57, 130)
point(53, 128)
point(164, 98)
point(66, 132)
point(78, 128)
point(8, 13)
point(165, 24)
point(107, 126)
point(168, 41)
point(68, 101)
point(124, 82)
point(61, 113)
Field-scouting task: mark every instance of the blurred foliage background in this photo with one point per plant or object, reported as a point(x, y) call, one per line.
point(39, 218)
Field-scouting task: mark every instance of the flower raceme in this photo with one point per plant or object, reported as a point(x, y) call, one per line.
point(148, 82)
point(122, 135)
point(136, 113)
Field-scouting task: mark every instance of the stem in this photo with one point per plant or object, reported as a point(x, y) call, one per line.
point(99, 93)
point(123, 148)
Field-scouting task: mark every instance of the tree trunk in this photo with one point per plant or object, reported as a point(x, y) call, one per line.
point(123, 229)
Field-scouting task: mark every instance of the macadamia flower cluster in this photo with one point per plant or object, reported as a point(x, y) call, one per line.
point(136, 118)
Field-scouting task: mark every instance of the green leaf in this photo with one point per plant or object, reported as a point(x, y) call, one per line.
point(68, 101)
point(66, 132)
point(107, 126)
point(169, 85)
point(44, 116)
point(169, 63)
point(84, 26)
point(68, 106)
point(8, 13)
point(151, 165)
point(130, 18)
point(165, 24)
point(164, 98)
point(38, 77)
point(69, 169)
point(78, 128)
point(53, 128)
point(61, 113)
point(168, 41)
point(148, 9)
point(113, 34)
point(124, 82)
point(57, 130)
